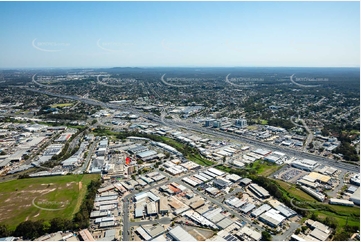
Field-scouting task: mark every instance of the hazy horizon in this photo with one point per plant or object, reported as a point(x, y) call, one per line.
point(179, 34)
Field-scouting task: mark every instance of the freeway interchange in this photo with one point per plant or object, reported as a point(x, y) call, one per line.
point(212, 132)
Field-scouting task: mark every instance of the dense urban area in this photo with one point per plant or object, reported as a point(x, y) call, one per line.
point(174, 154)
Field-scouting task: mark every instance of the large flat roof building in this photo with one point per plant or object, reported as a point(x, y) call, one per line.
point(272, 217)
point(86, 235)
point(257, 212)
point(286, 211)
point(248, 234)
point(151, 208)
point(341, 202)
point(179, 234)
point(259, 191)
point(305, 164)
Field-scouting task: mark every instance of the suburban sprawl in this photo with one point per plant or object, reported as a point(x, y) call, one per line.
point(180, 154)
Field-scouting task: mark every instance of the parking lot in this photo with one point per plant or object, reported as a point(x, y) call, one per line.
point(291, 174)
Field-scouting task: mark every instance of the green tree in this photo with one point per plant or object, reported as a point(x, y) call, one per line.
point(266, 236)
point(4, 231)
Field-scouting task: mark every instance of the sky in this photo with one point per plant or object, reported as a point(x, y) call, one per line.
point(179, 34)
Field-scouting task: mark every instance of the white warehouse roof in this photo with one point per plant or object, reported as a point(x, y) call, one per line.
point(179, 234)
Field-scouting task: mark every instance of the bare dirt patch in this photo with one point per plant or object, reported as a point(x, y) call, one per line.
point(69, 184)
point(80, 186)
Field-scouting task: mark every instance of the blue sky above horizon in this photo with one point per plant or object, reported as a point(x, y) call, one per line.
point(107, 34)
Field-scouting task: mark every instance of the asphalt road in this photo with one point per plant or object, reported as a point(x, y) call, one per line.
point(189, 126)
point(288, 151)
point(286, 235)
point(164, 220)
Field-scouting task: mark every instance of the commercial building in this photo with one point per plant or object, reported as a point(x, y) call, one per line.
point(355, 197)
point(262, 152)
point(163, 205)
point(351, 189)
point(217, 124)
point(139, 212)
point(319, 235)
point(151, 209)
point(213, 191)
point(320, 231)
point(248, 234)
point(272, 217)
point(233, 177)
point(147, 155)
point(259, 191)
point(199, 219)
point(179, 234)
point(86, 235)
point(257, 212)
point(355, 179)
point(241, 123)
point(305, 164)
point(151, 231)
point(197, 204)
point(341, 202)
point(296, 238)
point(234, 202)
point(248, 207)
point(224, 223)
point(109, 235)
point(318, 177)
point(286, 211)
point(209, 122)
point(220, 183)
point(319, 196)
point(245, 181)
point(214, 215)
point(216, 172)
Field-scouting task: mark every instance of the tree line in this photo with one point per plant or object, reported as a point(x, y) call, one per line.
point(33, 229)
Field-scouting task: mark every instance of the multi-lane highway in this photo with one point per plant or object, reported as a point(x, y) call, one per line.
point(197, 128)
point(286, 150)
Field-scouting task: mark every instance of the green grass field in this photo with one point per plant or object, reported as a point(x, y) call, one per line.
point(265, 168)
point(61, 105)
point(197, 158)
point(293, 191)
point(263, 122)
point(42, 198)
point(344, 215)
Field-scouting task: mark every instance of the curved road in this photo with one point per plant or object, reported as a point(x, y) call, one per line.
point(42, 85)
point(172, 85)
point(189, 126)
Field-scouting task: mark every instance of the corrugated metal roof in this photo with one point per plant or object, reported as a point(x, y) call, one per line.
point(179, 234)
